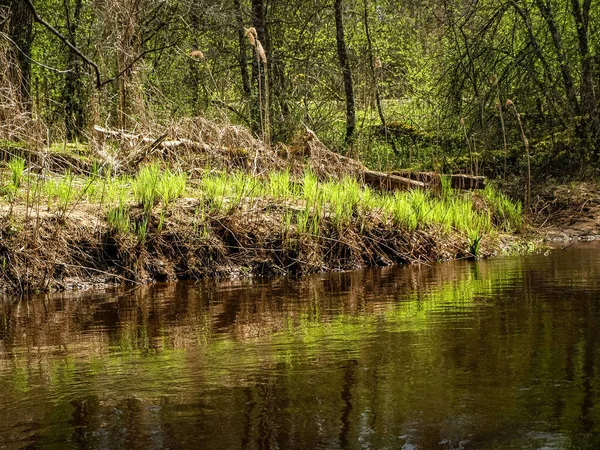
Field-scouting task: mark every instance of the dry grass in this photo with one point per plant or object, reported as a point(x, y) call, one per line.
point(197, 145)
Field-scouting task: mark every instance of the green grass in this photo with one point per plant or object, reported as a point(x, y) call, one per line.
point(342, 202)
point(61, 192)
point(508, 215)
point(308, 203)
point(117, 219)
point(152, 184)
point(17, 168)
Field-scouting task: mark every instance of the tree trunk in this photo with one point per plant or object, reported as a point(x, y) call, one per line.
point(545, 8)
point(342, 52)
point(374, 73)
point(129, 44)
point(581, 14)
point(20, 31)
point(277, 77)
point(73, 89)
point(242, 56)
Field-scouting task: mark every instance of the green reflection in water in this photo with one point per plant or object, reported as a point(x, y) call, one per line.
point(495, 354)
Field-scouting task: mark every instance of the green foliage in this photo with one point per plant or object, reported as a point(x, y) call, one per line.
point(145, 187)
point(474, 242)
point(279, 184)
point(419, 78)
point(61, 191)
point(141, 229)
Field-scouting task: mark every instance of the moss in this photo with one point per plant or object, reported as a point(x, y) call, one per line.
point(75, 149)
point(6, 145)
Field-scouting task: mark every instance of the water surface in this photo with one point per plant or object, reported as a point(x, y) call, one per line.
point(495, 354)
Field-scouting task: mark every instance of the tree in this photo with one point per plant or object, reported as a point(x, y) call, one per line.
point(73, 91)
point(342, 52)
point(20, 33)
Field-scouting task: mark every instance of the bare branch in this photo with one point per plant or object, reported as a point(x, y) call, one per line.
point(66, 41)
point(88, 61)
point(52, 69)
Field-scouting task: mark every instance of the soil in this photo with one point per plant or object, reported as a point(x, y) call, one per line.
point(567, 212)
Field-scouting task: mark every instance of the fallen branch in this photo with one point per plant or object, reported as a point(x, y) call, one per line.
point(327, 162)
point(433, 179)
point(136, 139)
point(389, 182)
point(322, 160)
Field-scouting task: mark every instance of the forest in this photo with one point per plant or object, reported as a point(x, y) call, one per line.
point(338, 109)
point(395, 83)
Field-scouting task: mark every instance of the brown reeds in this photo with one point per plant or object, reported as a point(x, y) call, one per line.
point(262, 65)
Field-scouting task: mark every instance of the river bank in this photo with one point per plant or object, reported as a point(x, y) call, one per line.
point(216, 202)
point(80, 232)
point(567, 212)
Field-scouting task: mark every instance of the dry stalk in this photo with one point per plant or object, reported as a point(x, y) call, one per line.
point(261, 60)
point(494, 82)
point(510, 103)
point(462, 124)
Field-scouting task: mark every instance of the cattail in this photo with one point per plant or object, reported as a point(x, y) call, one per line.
point(462, 121)
point(378, 64)
point(197, 54)
point(509, 103)
point(261, 52)
point(251, 35)
point(498, 105)
point(494, 80)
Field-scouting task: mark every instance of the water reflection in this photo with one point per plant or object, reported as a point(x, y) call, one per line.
point(495, 354)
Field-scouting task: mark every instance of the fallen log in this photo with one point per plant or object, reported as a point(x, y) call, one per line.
point(389, 182)
point(327, 163)
point(467, 182)
point(433, 179)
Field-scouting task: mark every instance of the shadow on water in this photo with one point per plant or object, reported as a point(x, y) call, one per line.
point(494, 354)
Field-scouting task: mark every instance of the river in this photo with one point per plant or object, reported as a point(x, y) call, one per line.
point(495, 354)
